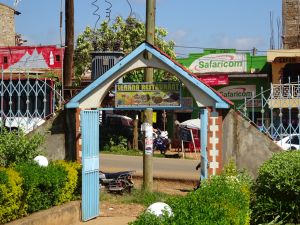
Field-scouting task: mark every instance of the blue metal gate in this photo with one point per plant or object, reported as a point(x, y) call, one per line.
point(90, 163)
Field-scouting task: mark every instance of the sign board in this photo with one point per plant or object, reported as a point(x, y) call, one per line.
point(238, 92)
point(215, 80)
point(221, 63)
point(141, 95)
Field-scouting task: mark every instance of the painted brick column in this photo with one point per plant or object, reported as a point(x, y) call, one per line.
point(214, 142)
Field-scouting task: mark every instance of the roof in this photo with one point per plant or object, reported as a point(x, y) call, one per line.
point(192, 74)
point(282, 53)
point(15, 11)
point(93, 94)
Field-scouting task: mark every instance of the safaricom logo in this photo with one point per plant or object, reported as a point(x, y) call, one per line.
point(238, 92)
point(220, 63)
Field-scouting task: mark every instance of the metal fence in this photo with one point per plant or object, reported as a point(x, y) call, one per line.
point(26, 100)
point(276, 111)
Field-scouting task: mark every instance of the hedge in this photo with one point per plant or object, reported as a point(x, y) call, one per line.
point(27, 187)
point(277, 190)
point(71, 188)
point(220, 200)
point(42, 185)
point(11, 205)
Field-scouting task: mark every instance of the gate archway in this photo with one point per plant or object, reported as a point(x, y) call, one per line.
point(207, 99)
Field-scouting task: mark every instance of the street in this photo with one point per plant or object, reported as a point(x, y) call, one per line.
point(166, 168)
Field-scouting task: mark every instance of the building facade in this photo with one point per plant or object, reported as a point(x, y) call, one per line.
point(7, 25)
point(31, 59)
point(291, 24)
point(237, 76)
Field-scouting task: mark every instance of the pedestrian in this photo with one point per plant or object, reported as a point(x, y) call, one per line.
point(198, 183)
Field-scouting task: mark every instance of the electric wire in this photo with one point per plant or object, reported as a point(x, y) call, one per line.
point(108, 10)
point(130, 14)
point(95, 13)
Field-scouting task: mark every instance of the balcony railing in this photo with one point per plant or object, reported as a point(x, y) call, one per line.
point(285, 91)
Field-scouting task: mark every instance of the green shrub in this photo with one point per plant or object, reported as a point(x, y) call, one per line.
point(42, 185)
point(72, 184)
point(277, 189)
point(15, 147)
point(11, 205)
point(115, 143)
point(220, 200)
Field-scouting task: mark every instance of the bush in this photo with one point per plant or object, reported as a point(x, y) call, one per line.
point(221, 200)
point(71, 188)
point(42, 185)
point(11, 206)
point(277, 189)
point(15, 147)
point(115, 143)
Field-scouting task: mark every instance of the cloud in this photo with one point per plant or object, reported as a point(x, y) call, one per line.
point(241, 43)
point(143, 1)
point(178, 36)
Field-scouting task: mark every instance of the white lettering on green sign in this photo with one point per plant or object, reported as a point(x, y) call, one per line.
point(215, 64)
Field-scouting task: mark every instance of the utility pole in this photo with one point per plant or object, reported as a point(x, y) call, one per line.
point(150, 33)
point(69, 42)
point(70, 114)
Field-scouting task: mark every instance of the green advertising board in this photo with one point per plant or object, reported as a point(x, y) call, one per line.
point(240, 89)
point(224, 61)
point(247, 74)
point(141, 95)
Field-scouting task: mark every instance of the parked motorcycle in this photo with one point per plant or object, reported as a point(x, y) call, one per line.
point(161, 141)
point(119, 182)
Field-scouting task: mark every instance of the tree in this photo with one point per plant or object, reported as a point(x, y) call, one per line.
point(123, 35)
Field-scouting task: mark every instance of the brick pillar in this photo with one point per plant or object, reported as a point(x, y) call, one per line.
point(78, 137)
point(214, 142)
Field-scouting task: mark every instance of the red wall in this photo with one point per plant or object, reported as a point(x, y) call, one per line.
point(14, 55)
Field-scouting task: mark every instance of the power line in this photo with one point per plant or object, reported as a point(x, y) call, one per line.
point(238, 50)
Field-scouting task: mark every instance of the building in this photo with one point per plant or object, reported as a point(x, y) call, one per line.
point(8, 35)
point(237, 76)
point(286, 62)
point(291, 24)
point(30, 76)
point(31, 59)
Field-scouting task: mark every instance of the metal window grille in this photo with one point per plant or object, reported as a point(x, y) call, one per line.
point(27, 101)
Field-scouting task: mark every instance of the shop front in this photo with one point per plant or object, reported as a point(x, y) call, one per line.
point(240, 77)
point(285, 65)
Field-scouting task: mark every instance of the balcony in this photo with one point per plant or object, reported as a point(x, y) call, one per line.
point(285, 96)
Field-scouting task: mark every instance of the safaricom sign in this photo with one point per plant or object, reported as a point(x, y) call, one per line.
point(227, 63)
point(238, 92)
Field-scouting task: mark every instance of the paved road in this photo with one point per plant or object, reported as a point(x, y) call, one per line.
point(167, 168)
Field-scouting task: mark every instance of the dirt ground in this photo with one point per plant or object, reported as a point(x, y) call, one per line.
point(112, 213)
point(170, 187)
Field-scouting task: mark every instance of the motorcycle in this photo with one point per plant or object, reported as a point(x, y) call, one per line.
point(119, 182)
point(161, 141)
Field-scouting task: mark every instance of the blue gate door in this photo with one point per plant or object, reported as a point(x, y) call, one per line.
point(90, 163)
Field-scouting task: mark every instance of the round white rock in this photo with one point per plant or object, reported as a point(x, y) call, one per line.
point(41, 160)
point(159, 208)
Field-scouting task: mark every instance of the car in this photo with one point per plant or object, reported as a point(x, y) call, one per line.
point(289, 142)
point(114, 125)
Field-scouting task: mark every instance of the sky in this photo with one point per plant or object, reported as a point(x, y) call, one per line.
point(239, 24)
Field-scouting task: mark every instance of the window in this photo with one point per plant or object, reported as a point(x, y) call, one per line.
point(57, 58)
point(5, 60)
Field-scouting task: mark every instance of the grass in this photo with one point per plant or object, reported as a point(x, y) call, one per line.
point(137, 196)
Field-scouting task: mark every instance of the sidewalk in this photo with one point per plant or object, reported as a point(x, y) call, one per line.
point(121, 220)
point(115, 214)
